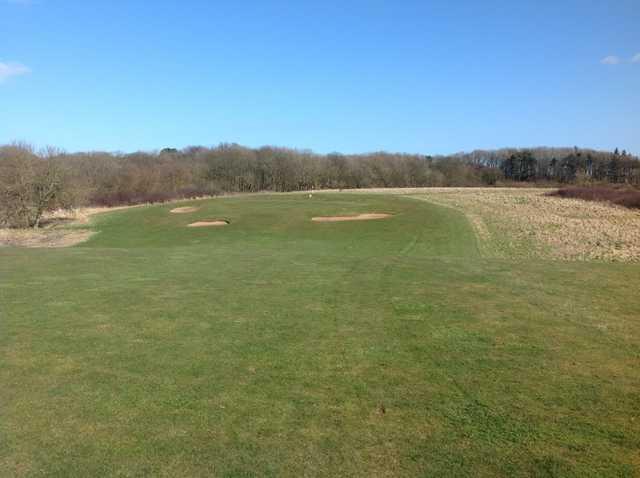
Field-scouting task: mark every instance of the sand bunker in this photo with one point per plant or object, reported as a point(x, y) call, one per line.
point(217, 222)
point(357, 217)
point(184, 209)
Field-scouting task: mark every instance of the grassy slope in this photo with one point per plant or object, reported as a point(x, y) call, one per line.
point(272, 346)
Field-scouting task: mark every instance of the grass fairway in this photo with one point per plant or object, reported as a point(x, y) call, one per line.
point(276, 346)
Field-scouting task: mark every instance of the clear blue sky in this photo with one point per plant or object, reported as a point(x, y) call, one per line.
point(350, 76)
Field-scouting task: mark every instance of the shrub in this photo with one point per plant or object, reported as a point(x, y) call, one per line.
point(626, 197)
point(29, 186)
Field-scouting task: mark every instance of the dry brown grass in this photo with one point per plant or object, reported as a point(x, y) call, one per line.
point(43, 237)
point(517, 222)
point(55, 230)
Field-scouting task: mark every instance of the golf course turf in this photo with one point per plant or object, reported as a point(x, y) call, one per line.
point(278, 346)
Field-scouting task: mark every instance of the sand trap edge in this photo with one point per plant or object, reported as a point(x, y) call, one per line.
point(184, 209)
point(357, 217)
point(216, 223)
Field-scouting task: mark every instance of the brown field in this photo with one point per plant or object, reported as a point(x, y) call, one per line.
point(524, 222)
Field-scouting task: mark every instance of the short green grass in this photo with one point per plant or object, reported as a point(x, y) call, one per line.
point(280, 347)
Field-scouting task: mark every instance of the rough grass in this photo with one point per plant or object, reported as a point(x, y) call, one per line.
point(48, 237)
point(529, 223)
point(280, 347)
point(625, 197)
point(61, 228)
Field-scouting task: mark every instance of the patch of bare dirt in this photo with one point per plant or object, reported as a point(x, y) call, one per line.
point(43, 237)
point(81, 215)
point(216, 223)
point(357, 217)
point(184, 209)
point(55, 230)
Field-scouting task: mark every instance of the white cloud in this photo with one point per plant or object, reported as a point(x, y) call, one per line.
point(610, 60)
point(636, 58)
point(8, 70)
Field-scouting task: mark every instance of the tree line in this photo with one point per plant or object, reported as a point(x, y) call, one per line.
point(32, 182)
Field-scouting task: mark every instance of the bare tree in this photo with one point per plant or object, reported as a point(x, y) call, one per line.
point(29, 186)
